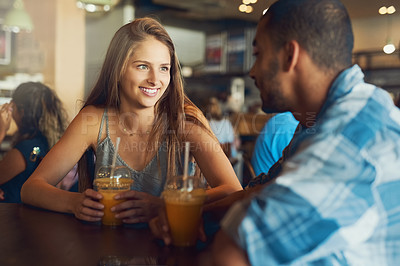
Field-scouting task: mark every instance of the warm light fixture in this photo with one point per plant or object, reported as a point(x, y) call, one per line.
point(389, 48)
point(387, 10)
point(96, 5)
point(391, 10)
point(249, 9)
point(18, 19)
point(242, 8)
point(382, 10)
point(246, 7)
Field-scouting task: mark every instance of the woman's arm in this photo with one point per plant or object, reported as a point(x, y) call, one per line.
point(39, 190)
point(213, 162)
point(13, 162)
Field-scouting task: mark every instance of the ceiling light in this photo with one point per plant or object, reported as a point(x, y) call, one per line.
point(242, 8)
point(253, 1)
point(387, 10)
point(389, 48)
point(391, 10)
point(90, 8)
point(107, 8)
point(96, 5)
point(383, 10)
point(249, 9)
point(246, 2)
point(18, 19)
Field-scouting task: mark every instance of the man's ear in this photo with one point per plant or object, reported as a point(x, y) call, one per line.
point(292, 50)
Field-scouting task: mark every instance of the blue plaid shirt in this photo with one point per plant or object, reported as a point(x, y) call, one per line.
point(336, 200)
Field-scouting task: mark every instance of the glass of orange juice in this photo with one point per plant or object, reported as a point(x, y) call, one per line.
point(184, 202)
point(109, 183)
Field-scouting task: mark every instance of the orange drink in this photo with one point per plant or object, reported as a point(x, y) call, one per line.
point(184, 210)
point(109, 187)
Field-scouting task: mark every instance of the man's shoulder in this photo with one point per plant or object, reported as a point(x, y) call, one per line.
point(361, 116)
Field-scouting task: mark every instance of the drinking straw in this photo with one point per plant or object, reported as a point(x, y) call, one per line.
point(186, 165)
point(114, 157)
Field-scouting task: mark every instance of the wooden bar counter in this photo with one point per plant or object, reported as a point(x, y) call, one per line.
point(31, 236)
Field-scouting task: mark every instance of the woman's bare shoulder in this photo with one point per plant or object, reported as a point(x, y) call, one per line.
point(196, 132)
point(90, 113)
point(91, 109)
point(190, 126)
point(85, 126)
point(89, 119)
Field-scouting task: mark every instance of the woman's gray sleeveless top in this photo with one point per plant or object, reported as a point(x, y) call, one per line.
point(151, 179)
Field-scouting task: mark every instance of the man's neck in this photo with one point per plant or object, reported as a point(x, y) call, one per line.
point(312, 98)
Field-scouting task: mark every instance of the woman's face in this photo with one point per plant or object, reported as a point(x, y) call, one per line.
point(147, 75)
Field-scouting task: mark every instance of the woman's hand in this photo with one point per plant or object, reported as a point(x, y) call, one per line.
point(139, 207)
point(88, 208)
point(5, 118)
point(224, 251)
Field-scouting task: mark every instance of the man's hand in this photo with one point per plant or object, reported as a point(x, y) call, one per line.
point(160, 228)
point(225, 251)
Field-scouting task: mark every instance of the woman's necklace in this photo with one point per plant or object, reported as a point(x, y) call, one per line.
point(132, 133)
point(134, 119)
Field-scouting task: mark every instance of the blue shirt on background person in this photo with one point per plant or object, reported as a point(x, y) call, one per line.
point(32, 150)
point(273, 138)
point(336, 199)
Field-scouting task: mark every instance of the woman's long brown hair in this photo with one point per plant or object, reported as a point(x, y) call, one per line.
point(172, 109)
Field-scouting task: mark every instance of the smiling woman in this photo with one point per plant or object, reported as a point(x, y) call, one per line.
point(147, 74)
point(139, 99)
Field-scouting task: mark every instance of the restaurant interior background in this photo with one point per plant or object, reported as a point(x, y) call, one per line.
point(66, 45)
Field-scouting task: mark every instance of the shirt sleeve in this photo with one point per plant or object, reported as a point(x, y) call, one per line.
point(264, 155)
point(274, 137)
point(290, 219)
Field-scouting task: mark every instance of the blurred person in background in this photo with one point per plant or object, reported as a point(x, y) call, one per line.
point(272, 140)
point(222, 127)
point(41, 120)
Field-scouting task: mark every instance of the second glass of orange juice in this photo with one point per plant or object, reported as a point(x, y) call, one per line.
point(184, 204)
